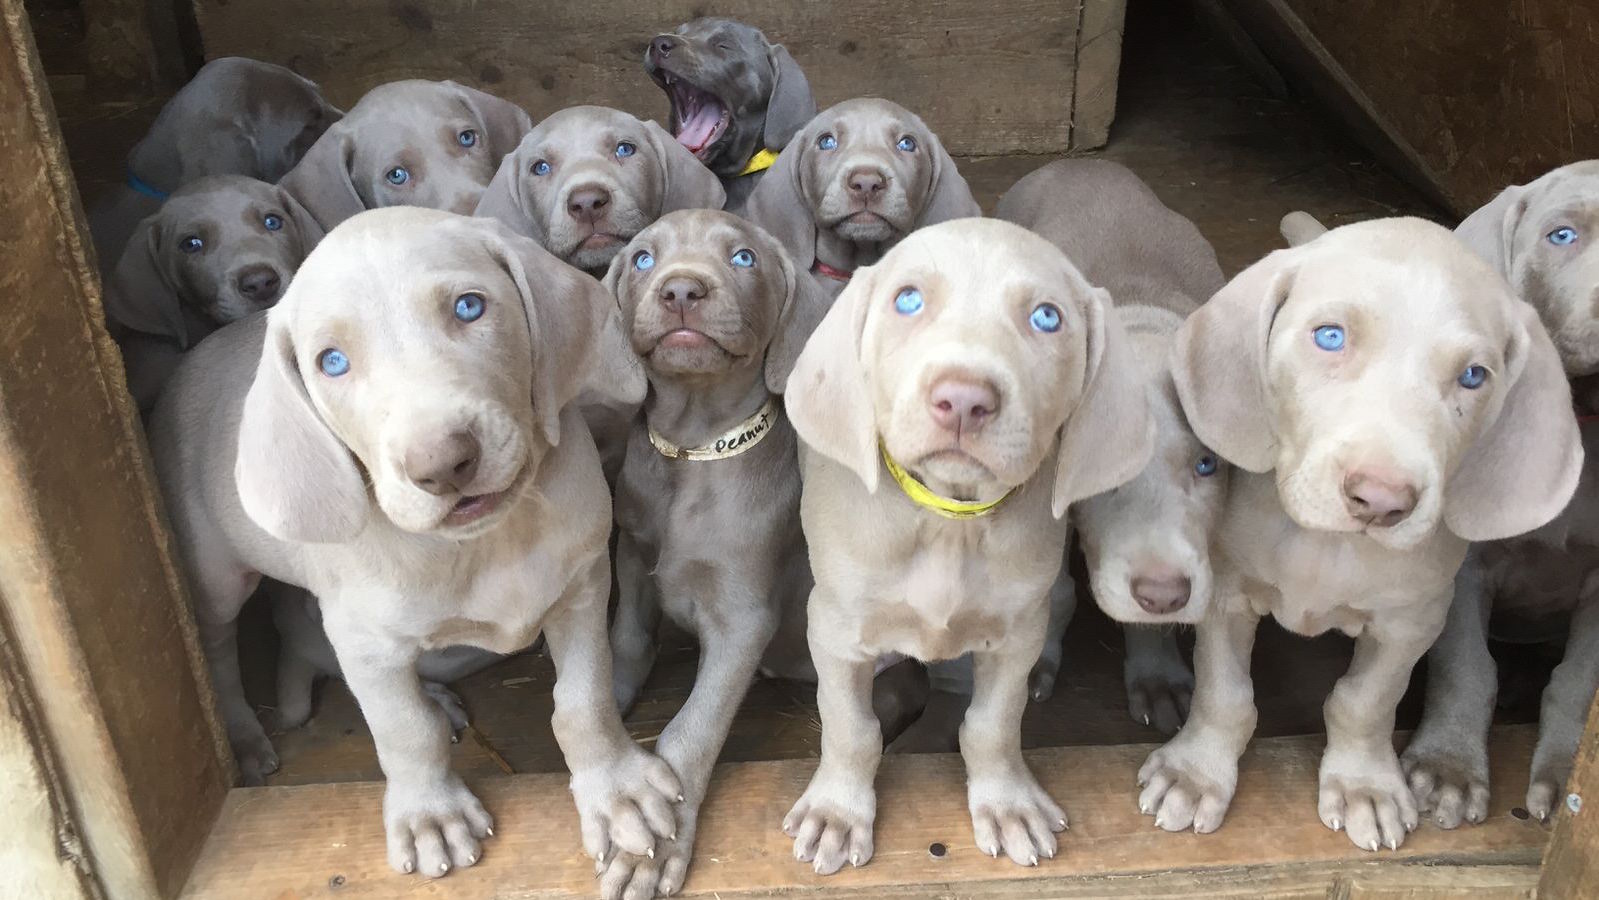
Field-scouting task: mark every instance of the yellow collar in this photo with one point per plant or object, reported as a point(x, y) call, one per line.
point(729, 443)
point(760, 162)
point(920, 495)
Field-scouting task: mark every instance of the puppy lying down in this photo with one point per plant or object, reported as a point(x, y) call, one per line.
point(397, 436)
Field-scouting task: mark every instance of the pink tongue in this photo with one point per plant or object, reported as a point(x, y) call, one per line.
point(698, 128)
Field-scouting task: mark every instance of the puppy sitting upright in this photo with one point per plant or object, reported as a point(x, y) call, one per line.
point(858, 178)
point(737, 99)
point(1386, 399)
point(981, 377)
point(708, 498)
point(397, 436)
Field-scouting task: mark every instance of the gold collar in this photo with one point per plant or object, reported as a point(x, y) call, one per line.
point(730, 443)
point(922, 496)
point(760, 162)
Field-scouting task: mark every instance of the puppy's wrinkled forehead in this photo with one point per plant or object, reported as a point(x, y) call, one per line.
point(867, 119)
point(706, 233)
point(983, 268)
point(584, 130)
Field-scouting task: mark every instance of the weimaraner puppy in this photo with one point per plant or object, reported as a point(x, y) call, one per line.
point(737, 99)
point(1147, 543)
point(1385, 399)
point(236, 116)
point(397, 436)
point(221, 248)
point(977, 372)
point(708, 499)
point(853, 182)
point(587, 179)
point(408, 143)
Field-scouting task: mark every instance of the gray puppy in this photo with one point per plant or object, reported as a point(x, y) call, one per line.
point(737, 98)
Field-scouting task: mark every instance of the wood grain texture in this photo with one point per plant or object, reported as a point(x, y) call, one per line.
point(989, 78)
point(1571, 864)
point(88, 588)
point(327, 840)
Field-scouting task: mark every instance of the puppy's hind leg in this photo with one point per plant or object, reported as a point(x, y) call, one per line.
point(1159, 683)
point(1062, 606)
point(633, 634)
point(1565, 705)
point(221, 588)
point(304, 653)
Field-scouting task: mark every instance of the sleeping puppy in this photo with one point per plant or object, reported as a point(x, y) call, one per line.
point(408, 143)
point(221, 248)
point(1147, 543)
point(1386, 399)
point(236, 116)
point(397, 437)
point(708, 499)
point(587, 179)
point(736, 98)
point(858, 178)
point(977, 373)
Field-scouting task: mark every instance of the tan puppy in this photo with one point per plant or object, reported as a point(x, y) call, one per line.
point(397, 436)
point(408, 143)
point(978, 360)
point(1386, 399)
point(708, 500)
point(221, 248)
point(854, 181)
point(587, 179)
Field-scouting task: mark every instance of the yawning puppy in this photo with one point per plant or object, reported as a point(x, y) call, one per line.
point(958, 396)
point(708, 499)
point(737, 98)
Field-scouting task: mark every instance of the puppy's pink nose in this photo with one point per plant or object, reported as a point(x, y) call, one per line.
point(588, 203)
point(681, 292)
point(1378, 497)
point(962, 405)
point(1161, 590)
point(865, 184)
point(443, 466)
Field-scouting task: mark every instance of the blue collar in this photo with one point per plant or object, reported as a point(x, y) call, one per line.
point(145, 188)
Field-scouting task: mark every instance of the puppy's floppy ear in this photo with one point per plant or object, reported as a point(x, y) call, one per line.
point(296, 479)
point(803, 309)
point(139, 297)
point(778, 204)
point(321, 182)
point(504, 123)
point(948, 196)
point(503, 198)
point(1490, 232)
point(685, 182)
point(574, 345)
point(618, 375)
point(791, 104)
point(310, 229)
point(1219, 363)
point(1108, 439)
point(828, 398)
point(1523, 468)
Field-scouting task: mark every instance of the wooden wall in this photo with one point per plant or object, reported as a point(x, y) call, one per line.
point(990, 78)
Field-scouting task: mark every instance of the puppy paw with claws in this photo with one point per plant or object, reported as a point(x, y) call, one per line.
point(453, 708)
point(630, 877)
point(1188, 783)
point(434, 827)
point(257, 759)
point(626, 805)
point(1016, 817)
point(1365, 795)
point(832, 825)
point(1449, 780)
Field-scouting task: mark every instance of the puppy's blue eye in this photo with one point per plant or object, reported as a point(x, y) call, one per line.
point(1329, 337)
point(907, 144)
point(397, 176)
point(1206, 466)
point(1045, 318)
point(467, 138)
point(1563, 236)
point(272, 223)
point(333, 362)
point(1473, 377)
point(908, 302)
point(541, 168)
point(624, 150)
point(191, 244)
point(469, 307)
point(827, 142)
point(643, 261)
point(744, 259)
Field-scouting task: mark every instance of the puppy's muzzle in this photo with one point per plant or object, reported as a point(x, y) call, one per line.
point(259, 284)
point(865, 184)
point(962, 404)
point(1378, 497)
point(443, 465)
point(681, 293)
point(1161, 590)
point(587, 204)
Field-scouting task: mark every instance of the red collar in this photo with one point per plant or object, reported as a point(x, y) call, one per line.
point(1583, 420)
point(822, 268)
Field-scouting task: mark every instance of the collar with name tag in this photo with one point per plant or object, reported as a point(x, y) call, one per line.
point(730, 443)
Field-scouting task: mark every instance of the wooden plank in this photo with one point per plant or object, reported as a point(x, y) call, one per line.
point(88, 589)
point(326, 840)
point(1571, 863)
point(989, 78)
point(1099, 54)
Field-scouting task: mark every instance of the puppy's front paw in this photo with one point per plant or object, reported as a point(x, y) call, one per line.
point(1448, 778)
point(832, 824)
point(1548, 784)
point(630, 877)
point(1014, 816)
point(1188, 783)
point(1041, 680)
point(1159, 692)
point(1364, 794)
point(625, 805)
point(255, 755)
point(434, 827)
